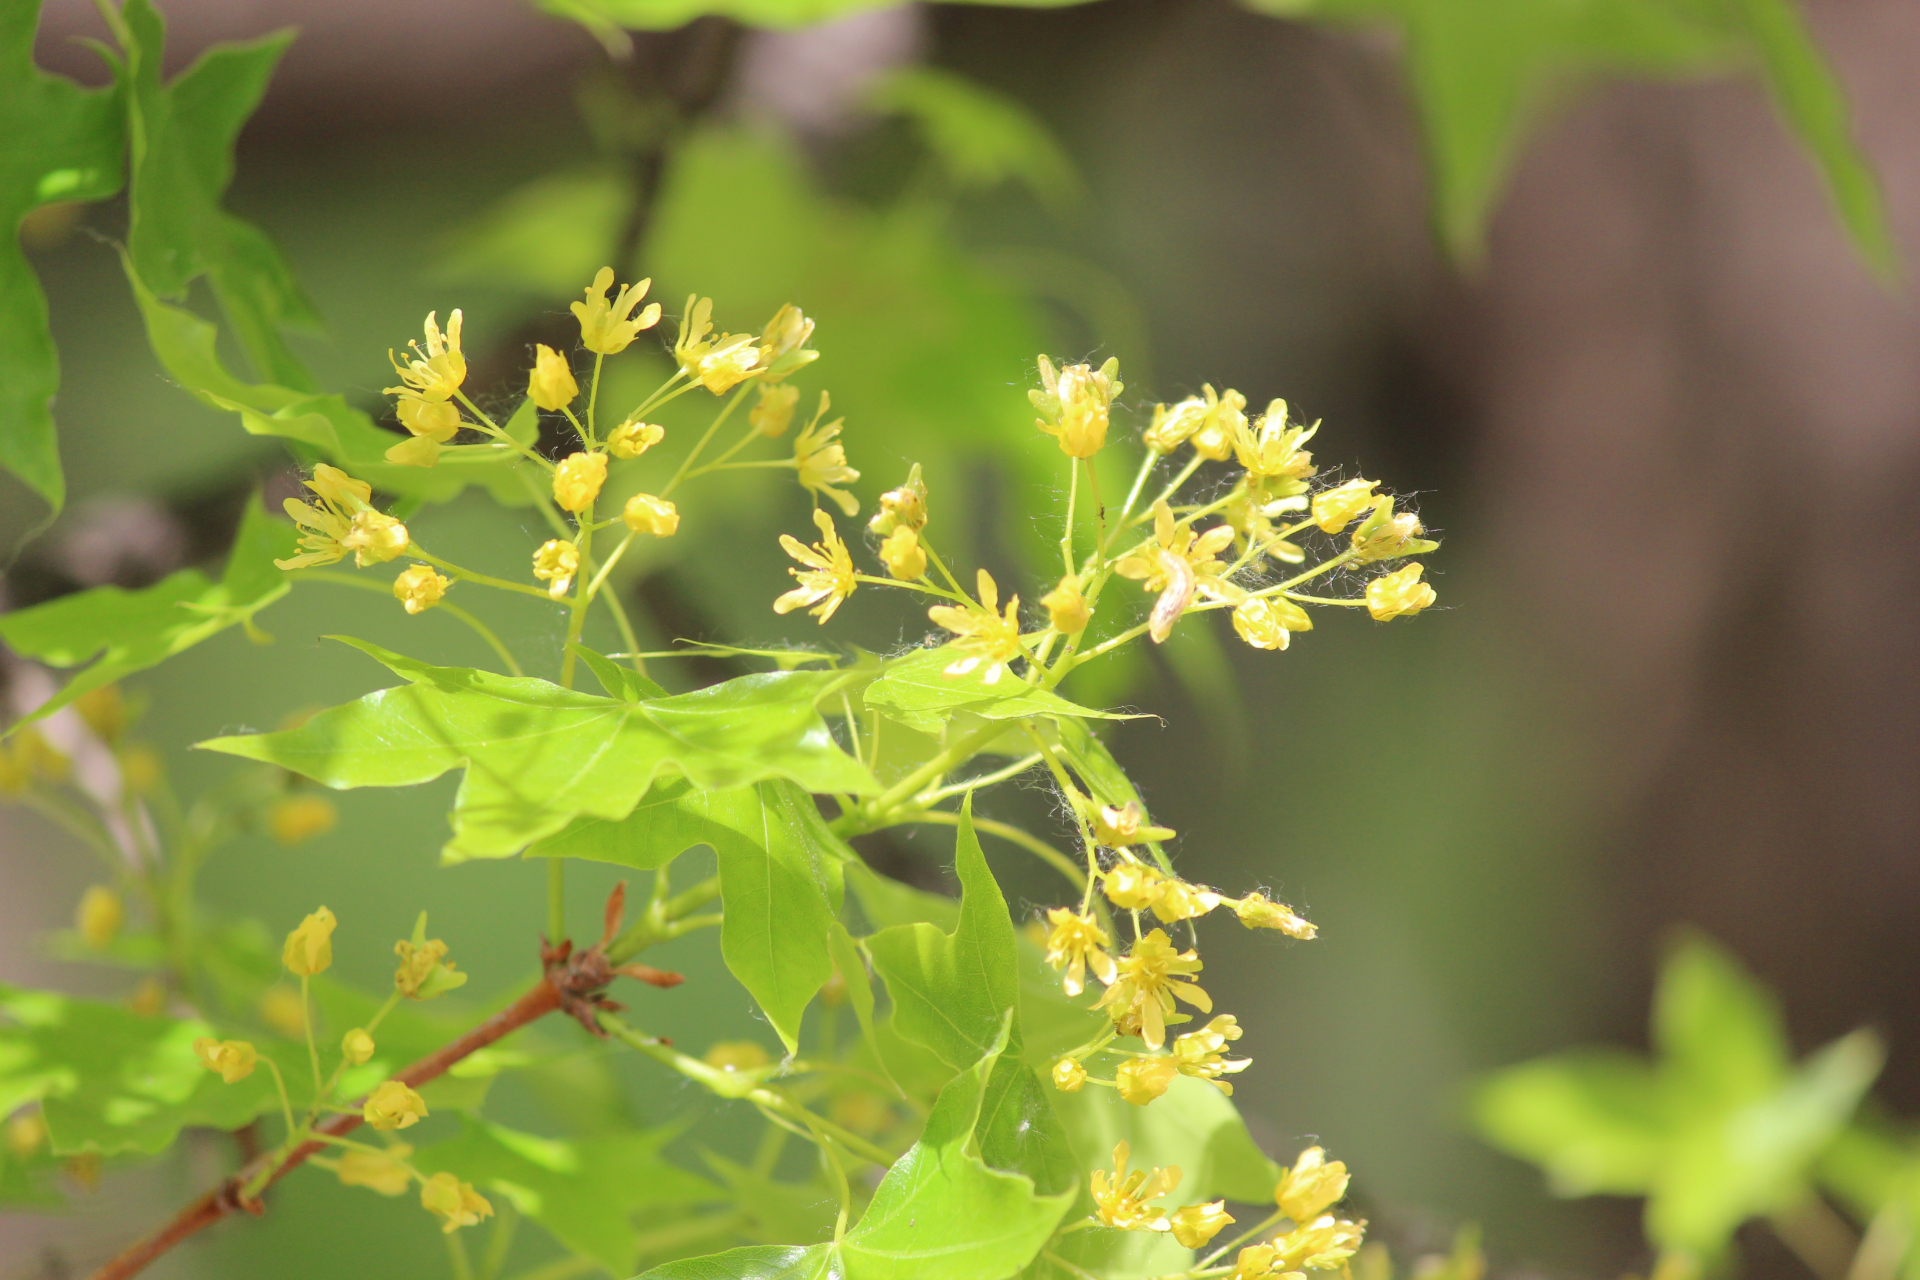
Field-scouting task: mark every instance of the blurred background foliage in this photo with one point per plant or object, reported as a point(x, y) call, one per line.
point(1647, 704)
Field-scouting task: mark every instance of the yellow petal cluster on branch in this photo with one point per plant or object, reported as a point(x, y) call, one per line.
point(296, 819)
point(342, 521)
point(986, 637)
point(1152, 975)
point(904, 507)
point(903, 555)
point(393, 1105)
point(1067, 608)
point(356, 1046)
point(231, 1059)
point(826, 577)
point(309, 948)
point(1076, 943)
point(455, 1202)
point(420, 587)
point(1179, 565)
point(632, 438)
point(1400, 593)
point(1268, 622)
point(577, 480)
point(1075, 405)
point(555, 563)
point(644, 513)
point(772, 414)
point(608, 327)
point(821, 461)
point(550, 383)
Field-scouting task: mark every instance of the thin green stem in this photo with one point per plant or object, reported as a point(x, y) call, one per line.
point(286, 1103)
point(593, 588)
point(1008, 832)
point(956, 754)
point(941, 565)
point(911, 586)
point(1013, 770)
point(751, 435)
point(457, 1256)
point(1173, 486)
point(577, 618)
point(1245, 1237)
point(1100, 519)
point(544, 501)
point(499, 433)
point(313, 1049)
point(1066, 535)
point(586, 436)
point(467, 575)
point(593, 394)
point(79, 824)
point(660, 394)
point(1139, 483)
point(1304, 599)
point(627, 637)
point(453, 610)
point(694, 453)
point(506, 1223)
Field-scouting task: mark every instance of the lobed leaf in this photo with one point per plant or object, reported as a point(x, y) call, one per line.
point(134, 630)
point(537, 756)
point(1594, 1121)
point(757, 1262)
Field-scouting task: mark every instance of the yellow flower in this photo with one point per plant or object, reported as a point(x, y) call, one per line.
point(1179, 900)
point(356, 1046)
point(577, 481)
point(383, 1171)
point(343, 520)
point(1133, 886)
point(902, 554)
point(1067, 608)
point(424, 970)
point(605, 327)
point(26, 1133)
point(98, 916)
point(985, 636)
point(233, 1059)
point(104, 710)
point(1270, 451)
point(773, 414)
point(550, 383)
point(1268, 622)
point(309, 947)
point(555, 563)
point(1324, 1244)
point(1196, 1224)
point(827, 578)
point(1142, 1079)
point(645, 513)
point(1386, 536)
point(719, 363)
point(430, 424)
point(631, 439)
point(1257, 911)
point(1121, 1201)
point(1197, 1053)
point(1255, 1261)
point(1118, 826)
point(393, 1105)
point(822, 461)
point(1069, 1076)
point(445, 1196)
point(282, 1009)
point(296, 819)
point(1177, 565)
point(420, 587)
point(1074, 405)
point(783, 344)
point(737, 1055)
point(1399, 592)
point(1152, 974)
point(1311, 1186)
point(435, 372)
point(1335, 508)
point(904, 507)
point(1222, 421)
point(1172, 425)
point(1076, 943)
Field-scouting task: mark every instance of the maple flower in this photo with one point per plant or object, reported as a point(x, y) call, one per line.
point(309, 948)
point(1068, 1075)
point(1257, 911)
point(1268, 622)
point(98, 916)
point(577, 481)
point(1118, 826)
point(393, 1105)
point(1152, 974)
point(233, 1059)
point(1222, 420)
point(821, 461)
point(555, 563)
point(902, 554)
point(1076, 943)
point(632, 438)
point(445, 1196)
point(1386, 536)
point(424, 970)
point(720, 363)
point(1334, 509)
point(902, 507)
point(429, 424)
point(606, 327)
point(1197, 1053)
point(356, 1046)
point(434, 372)
point(383, 1171)
point(772, 414)
point(1399, 593)
point(1254, 1262)
point(1271, 453)
point(1178, 565)
point(1144, 1078)
point(1067, 608)
point(826, 578)
point(1133, 886)
point(783, 344)
point(343, 521)
point(1121, 1201)
point(1196, 1224)
point(1075, 404)
point(1324, 1244)
point(1173, 425)
point(985, 636)
point(550, 383)
point(419, 588)
point(645, 513)
point(1179, 900)
point(1311, 1187)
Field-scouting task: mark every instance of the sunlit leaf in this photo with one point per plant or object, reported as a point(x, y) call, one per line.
point(134, 630)
point(1596, 1122)
point(981, 138)
point(1192, 1125)
point(757, 1262)
point(537, 756)
point(917, 691)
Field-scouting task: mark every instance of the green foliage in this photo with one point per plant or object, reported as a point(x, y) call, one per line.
point(1720, 1129)
point(66, 144)
point(980, 138)
point(1481, 74)
point(537, 755)
point(916, 691)
point(134, 630)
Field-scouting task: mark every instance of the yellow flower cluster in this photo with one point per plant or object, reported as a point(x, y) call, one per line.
point(1122, 1201)
point(343, 521)
point(1317, 1240)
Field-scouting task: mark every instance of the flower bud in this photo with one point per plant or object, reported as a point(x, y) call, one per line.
point(424, 970)
point(577, 480)
point(420, 587)
point(375, 538)
point(1172, 425)
point(1311, 1187)
point(1141, 1080)
point(98, 916)
point(1399, 592)
point(1257, 911)
point(645, 513)
point(232, 1059)
point(1225, 419)
point(1068, 1075)
point(393, 1105)
point(356, 1046)
point(902, 554)
point(1075, 405)
point(1067, 608)
point(383, 1171)
point(1384, 535)
point(905, 506)
point(550, 383)
point(1268, 622)
point(434, 420)
point(1196, 1224)
point(1133, 886)
point(1179, 900)
point(309, 947)
point(414, 451)
point(445, 1196)
point(556, 562)
point(631, 439)
point(783, 348)
point(773, 413)
point(1335, 508)
point(1118, 826)
point(296, 819)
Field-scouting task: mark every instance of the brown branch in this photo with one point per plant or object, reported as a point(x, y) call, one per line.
point(226, 1198)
